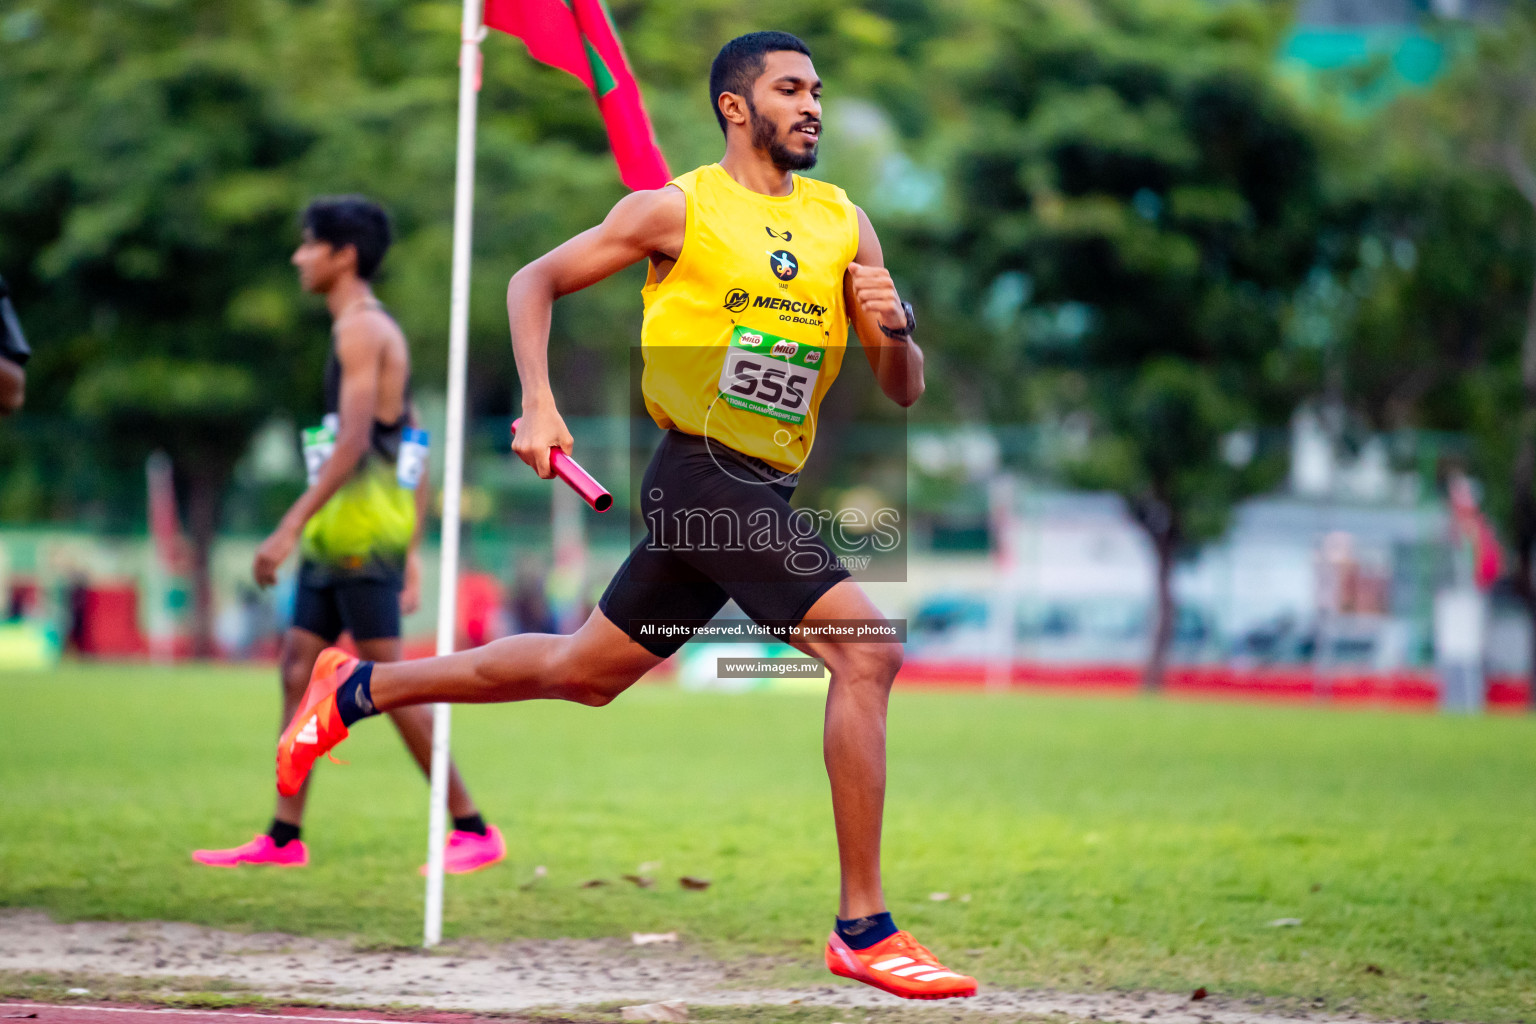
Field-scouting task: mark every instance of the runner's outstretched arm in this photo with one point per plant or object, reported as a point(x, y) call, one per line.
point(358, 347)
point(872, 300)
point(641, 224)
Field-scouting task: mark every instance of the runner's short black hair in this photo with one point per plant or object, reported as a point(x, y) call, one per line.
point(740, 62)
point(341, 221)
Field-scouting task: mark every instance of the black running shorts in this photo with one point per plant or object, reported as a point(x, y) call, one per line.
point(719, 527)
point(369, 609)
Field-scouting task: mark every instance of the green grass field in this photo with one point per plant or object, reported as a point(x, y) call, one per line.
point(1103, 842)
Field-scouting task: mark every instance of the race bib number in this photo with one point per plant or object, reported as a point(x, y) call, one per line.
point(319, 445)
point(769, 375)
point(412, 461)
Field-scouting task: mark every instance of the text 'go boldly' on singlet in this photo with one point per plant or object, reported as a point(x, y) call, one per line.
point(747, 332)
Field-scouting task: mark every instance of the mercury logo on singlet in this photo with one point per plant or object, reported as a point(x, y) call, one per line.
point(789, 310)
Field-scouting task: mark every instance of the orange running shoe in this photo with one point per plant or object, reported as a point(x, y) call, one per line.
point(317, 726)
point(899, 965)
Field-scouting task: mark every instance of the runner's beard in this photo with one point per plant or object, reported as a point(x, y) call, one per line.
point(765, 135)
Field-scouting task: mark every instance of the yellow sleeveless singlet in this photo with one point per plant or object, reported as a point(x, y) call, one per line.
point(747, 332)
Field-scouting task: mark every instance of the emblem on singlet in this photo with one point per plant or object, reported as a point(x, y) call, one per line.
point(784, 264)
point(736, 299)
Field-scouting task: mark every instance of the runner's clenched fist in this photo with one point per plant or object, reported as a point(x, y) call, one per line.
point(876, 293)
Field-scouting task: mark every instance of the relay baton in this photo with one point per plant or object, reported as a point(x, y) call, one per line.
point(582, 482)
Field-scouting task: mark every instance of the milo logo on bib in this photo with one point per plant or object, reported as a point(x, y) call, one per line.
point(769, 375)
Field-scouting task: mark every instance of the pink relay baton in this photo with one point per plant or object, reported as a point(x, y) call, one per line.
point(582, 482)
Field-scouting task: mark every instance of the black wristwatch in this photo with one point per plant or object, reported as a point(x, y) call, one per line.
point(904, 333)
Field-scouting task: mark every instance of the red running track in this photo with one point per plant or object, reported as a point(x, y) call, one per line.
point(1408, 688)
point(85, 1013)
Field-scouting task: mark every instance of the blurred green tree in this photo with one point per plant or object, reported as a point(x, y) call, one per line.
point(144, 191)
point(1440, 214)
point(1134, 202)
point(156, 159)
point(1494, 98)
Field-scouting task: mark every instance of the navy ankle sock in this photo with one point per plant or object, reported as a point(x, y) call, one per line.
point(863, 932)
point(354, 698)
point(470, 823)
point(282, 832)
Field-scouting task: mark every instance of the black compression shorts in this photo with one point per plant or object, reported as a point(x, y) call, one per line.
point(369, 609)
point(718, 528)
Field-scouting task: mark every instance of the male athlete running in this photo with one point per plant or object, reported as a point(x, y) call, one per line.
point(754, 274)
point(359, 521)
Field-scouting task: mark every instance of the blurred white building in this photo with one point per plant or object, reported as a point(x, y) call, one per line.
point(1080, 586)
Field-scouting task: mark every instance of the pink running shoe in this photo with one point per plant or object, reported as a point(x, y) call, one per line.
point(260, 850)
point(468, 852)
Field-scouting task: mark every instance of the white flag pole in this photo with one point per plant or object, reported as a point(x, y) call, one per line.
point(471, 35)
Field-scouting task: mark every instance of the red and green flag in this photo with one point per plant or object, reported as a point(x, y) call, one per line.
point(577, 36)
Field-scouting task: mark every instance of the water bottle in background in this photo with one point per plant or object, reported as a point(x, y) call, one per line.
point(412, 461)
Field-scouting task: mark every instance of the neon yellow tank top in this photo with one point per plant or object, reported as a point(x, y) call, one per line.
point(747, 332)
